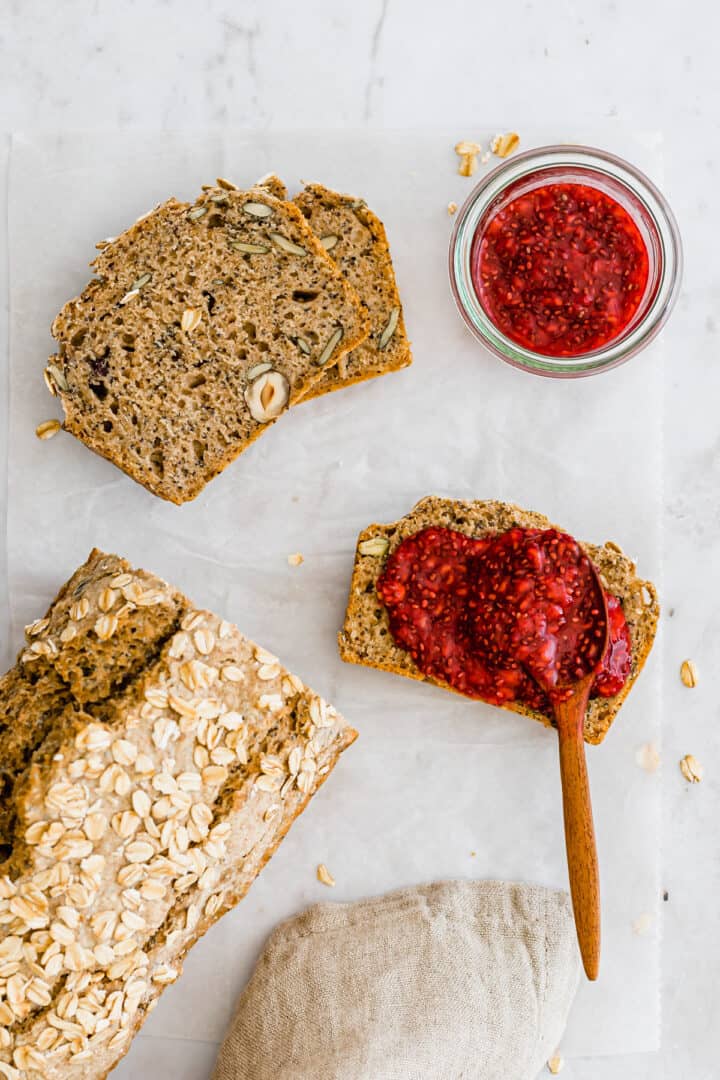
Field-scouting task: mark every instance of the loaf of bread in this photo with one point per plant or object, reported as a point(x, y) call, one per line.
point(355, 238)
point(153, 758)
point(203, 325)
point(366, 639)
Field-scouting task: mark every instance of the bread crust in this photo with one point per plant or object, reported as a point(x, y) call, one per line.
point(331, 211)
point(366, 639)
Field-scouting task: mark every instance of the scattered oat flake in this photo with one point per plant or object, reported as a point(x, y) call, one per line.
point(647, 757)
point(467, 152)
point(691, 769)
point(503, 145)
point(452, 208)
point(324, 875)
point(295, 559)
point(47, 429)
point(555, 1064)
point(643, 923)
point(688, 673)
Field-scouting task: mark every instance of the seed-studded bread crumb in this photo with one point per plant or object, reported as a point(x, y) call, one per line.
point(366, 638)
point(204, 324)
point(355, 238)
point(144, 810)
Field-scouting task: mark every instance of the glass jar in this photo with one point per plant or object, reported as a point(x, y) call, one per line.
point(612, 177)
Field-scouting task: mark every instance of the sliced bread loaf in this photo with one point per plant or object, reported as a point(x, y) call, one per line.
point(366, 639)
point(205, 322)
point(139, 817)
point(355, 238)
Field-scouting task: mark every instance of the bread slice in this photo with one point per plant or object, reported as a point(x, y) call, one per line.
point(355, 238)
point(366, 639)
point(142, 815)
point(205, 322)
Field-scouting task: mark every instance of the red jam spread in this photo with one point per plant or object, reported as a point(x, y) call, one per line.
point(506, 617)
point(561, 269)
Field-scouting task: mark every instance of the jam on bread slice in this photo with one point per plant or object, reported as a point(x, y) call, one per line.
point(454, 592)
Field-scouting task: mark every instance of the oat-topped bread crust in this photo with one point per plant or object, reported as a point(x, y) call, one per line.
point(142, 815)
point(366, 639)
point(355, 238)
point(205, 323)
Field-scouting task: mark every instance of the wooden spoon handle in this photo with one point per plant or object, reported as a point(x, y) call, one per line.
point(579, 830)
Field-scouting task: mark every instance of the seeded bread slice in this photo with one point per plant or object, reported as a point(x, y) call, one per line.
point(141, 818)
point(355, 238)
point(205, 322)
point(366, 639)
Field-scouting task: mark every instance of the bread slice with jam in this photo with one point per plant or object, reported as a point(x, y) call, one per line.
point(366, 637)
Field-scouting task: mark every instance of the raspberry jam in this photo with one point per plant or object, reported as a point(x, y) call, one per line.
point(506, 617)
point(561, 269)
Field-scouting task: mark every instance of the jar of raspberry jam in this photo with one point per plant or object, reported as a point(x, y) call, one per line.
point(565, 261)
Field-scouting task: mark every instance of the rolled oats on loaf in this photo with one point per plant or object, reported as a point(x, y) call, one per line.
point(157, 758)
point(366, 638)
point(204, 323)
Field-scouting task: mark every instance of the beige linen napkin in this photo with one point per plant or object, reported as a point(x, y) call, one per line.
point(470, 979)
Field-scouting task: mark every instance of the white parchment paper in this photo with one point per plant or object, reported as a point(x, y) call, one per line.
point(436, 786)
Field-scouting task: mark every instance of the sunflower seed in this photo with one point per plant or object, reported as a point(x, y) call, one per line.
point(129, 296)
point(286, 245)
point(390, 328)
point(142, 280)
point(225, 184)
point(55, 379)
point(329, 242)
point(197, 212)
point(258, 370)
point(332, 343)
point(257, 209)
point(377, 545)
point(249, 249)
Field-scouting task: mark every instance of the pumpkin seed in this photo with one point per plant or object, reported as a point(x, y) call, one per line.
point(390, 328)
point(142, 280)
point(329, 242)
point(259, 369)
point(249, 249)
point(333, 341)
point(257, 209)
point(197, 212)
point(286, 245)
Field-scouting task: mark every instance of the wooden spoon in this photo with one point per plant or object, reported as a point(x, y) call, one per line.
point(577, 809)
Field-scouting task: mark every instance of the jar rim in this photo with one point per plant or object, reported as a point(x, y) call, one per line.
point(614, 170)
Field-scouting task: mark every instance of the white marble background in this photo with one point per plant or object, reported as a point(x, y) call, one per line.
point(644, 64)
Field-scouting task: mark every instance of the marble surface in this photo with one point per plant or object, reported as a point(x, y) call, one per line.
point(394, 63)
